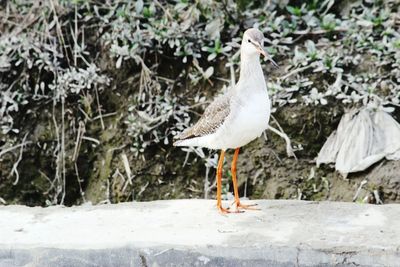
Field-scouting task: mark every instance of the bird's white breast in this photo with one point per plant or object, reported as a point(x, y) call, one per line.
point(248, 119)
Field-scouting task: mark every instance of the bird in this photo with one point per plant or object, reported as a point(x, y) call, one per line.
point(237, 117)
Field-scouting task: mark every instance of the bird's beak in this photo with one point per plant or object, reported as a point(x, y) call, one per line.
point(266, 56)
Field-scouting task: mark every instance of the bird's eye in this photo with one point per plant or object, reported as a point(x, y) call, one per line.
point(249, 40)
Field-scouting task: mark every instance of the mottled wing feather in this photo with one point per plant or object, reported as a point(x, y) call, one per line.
point(213, 117)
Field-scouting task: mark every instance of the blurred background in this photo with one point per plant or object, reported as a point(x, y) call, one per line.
point(92, 93)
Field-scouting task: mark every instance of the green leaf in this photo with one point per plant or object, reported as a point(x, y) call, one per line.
point(147, 12)
point(296, 11)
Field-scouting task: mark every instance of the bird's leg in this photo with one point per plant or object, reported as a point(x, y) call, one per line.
point(219, 182)
point(233, 173)
point(235, 185)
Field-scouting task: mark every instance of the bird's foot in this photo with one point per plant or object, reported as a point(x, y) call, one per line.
point(226, 211)
point(246, 207)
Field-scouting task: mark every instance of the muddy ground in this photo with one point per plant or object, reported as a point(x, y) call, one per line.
point(264, 169)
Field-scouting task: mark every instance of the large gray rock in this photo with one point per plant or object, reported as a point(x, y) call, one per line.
point(193, 233)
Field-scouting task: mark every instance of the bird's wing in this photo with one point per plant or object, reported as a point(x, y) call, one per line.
point(213, 117)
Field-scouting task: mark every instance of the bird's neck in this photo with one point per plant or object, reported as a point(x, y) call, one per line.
point(250, 69)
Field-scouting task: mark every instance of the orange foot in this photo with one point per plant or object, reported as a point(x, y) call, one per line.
point(246, 207)
point(226, 211)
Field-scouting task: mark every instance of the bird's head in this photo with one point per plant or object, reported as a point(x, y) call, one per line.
point(252, 44)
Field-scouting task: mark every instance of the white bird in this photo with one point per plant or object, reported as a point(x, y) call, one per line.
point(236, 118)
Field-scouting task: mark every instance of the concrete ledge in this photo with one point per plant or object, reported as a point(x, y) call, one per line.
point(193, 233)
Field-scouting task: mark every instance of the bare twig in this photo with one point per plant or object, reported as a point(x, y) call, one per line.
point(60, 35)
point(78, 142)
point(143, 188)
point(104, 116)
point(118, 173)
point(116, 148)
point(206, 182)
point(25, 23)
point(79, 182)
point(295, 71)
point(75, 36)
point(281, 133)
point(363, 182)
point(232, 71)
point(196, 64)
point(9, 149)
point(79, 137)
point(258, 173)
point(14, 169)
point(99, 108)
point(207, 185)
point(58, 172)
point(91, 139)
point(128, 171)
point(63, 155)
point(377, 197)
point(318, 32)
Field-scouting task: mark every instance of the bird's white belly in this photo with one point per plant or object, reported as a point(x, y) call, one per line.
point(248, 122)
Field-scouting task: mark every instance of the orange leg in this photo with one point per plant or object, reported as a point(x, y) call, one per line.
point(235, 186)
point(219, 183)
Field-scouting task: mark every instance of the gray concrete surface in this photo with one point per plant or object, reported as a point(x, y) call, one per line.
point(193, 233)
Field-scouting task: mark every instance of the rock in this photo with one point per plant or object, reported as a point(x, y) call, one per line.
point(193, 233)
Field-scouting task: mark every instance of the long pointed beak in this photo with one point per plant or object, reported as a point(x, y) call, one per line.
point(267, 57)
